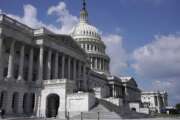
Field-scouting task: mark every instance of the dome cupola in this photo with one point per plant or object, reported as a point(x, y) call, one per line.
point(89, 39)
point(84, 14)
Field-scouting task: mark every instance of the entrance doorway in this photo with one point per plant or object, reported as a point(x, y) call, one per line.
point(52, 105)
point(133, 109)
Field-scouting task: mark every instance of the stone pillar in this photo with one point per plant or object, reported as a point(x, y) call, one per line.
point(20, 103)
point(30, 70)
point(119, 92)
point(74, 69)
point(107, 66)
point(126, 92)
point(56, 65)
point(103, 64)
point(69, 67)
point(113, 90)
point(79, 70)
point(91, 59)
point(11, 62)
point(1, 58)
point(79, 76)
point(84, 77)
point(63, 64)
point(49, 65)
point(86, 47)
point(158, 103)
point(21, 64)
point(8, 106)
point(96, 63)
point(40, 71)
point(37, 104)
point(100, 64)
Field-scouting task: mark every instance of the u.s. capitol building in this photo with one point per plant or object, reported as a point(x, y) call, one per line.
point(47, 75)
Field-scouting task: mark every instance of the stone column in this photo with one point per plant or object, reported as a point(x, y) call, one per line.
point(126, 91)
point(63, 62)
point(9, 103)
point(49, 65)
point(1, 58)
point(103, 64)
point(107, 66)
point(86, 47)
point(21, 64)
point(30, 70)
point(20, 103)
point(69, 67)
point(158, 103)
point(84, 77)
point(113, 90)
point(37, 104)
point(100, 64)
point(96, 63)
point(40, 71)
point(74, 69)
point(79, 70)
point(56, 65)
point(119, 92)
point(11, 61)
point(91, 59)
point(79, 76)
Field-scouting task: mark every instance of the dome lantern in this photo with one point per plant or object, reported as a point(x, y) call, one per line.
point(84, 13)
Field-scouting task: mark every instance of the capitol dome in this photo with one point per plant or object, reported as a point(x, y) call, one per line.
point(89, 39)
point(84, 29)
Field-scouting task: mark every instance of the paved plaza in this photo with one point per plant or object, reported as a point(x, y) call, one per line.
point(170, 118)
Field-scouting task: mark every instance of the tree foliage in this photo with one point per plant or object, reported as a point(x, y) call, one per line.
point(178, 106)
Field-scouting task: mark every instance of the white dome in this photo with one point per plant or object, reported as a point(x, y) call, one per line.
point(84, 29)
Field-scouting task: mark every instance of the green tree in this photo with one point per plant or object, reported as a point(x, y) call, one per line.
point(178, 106)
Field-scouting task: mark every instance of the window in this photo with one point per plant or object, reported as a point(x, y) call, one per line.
point(87, 46)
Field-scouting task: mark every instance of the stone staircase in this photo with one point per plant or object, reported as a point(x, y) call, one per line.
point(102, 110)
point(107, 111)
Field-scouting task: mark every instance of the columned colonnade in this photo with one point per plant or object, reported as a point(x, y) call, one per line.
point(56, 65)
point(99, 63)
point(116, 91)
point(53, 65)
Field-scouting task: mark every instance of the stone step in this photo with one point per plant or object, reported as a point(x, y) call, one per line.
point(103, 115)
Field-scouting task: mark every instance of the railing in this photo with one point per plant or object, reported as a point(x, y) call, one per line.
point(87, 116)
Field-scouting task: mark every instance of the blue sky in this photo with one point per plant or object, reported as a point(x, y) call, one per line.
point(142, 36)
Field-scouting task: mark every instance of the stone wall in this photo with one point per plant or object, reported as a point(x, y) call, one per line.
point(80, 102)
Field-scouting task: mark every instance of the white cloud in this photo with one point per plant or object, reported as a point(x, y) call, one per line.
point(29, 18)
point(117, 53)
point(159, 58)
point(160, 61)
point(64, 17)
